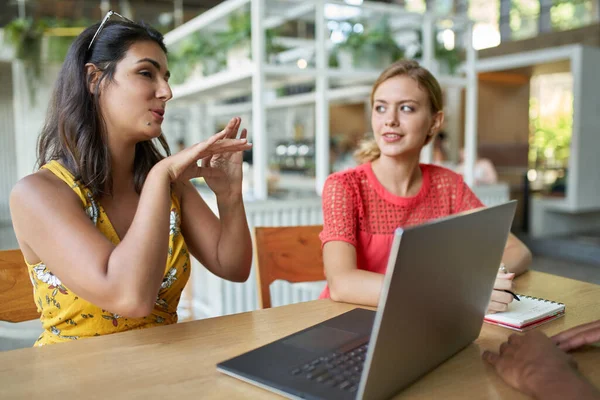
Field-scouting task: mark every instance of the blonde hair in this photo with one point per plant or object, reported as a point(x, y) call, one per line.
point(368, 150)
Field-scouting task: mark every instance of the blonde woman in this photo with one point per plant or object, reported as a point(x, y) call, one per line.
point(363, 206)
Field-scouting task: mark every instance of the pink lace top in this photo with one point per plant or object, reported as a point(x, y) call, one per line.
point(357, 209)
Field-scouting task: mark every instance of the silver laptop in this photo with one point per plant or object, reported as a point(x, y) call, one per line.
point(436, 290)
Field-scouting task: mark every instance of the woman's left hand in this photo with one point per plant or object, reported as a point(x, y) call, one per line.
point(229, 181)
point(500, 299)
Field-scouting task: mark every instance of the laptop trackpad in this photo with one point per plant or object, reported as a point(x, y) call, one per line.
point(321, 338)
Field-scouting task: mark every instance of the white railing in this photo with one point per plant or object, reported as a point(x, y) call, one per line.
point(213, 296)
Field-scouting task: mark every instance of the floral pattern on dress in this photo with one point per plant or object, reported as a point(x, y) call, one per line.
point(169, 278)
point(57, 331)
point(112, 317)
point(162, 303)
point(92, 209)
point(174, 223)
point(50, 279)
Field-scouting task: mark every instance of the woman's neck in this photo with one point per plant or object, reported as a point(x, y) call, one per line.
point(400, 176)
point(122, 158)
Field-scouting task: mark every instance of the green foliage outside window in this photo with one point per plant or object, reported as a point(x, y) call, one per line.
point(549, 139)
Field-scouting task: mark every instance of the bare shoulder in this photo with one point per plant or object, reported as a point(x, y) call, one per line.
point(35, 196)
point(40, 185)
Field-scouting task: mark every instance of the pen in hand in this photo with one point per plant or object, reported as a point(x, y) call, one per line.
point(513, 295)
point(505, 271)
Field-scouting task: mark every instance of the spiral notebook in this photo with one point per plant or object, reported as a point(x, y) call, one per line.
point(527, 313)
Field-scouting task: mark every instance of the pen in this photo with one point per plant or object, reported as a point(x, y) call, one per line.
point(513, 295)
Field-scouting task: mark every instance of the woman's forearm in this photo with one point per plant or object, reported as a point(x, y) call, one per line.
point(356, 286)
point(234, 250)
point(517, 257)
point(137, 265)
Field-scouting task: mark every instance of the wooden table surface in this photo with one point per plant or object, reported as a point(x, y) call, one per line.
point(178, 361)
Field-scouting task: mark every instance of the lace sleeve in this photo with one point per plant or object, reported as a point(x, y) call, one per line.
point(467, 200)
point(339, 212)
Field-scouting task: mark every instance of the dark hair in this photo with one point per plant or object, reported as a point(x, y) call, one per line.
point(74, 132)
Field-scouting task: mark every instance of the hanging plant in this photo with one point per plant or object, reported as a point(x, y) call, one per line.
point(26, 36)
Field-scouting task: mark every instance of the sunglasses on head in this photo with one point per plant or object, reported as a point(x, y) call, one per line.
point(109, 14)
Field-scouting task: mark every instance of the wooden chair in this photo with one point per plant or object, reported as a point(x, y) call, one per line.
point(16, 292)
point(291, 254)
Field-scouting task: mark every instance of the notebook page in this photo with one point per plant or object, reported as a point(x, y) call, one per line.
point(527, 310)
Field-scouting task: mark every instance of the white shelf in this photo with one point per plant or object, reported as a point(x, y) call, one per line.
point(221, 83)
point(332, 85)
point(353, 94)
point(231, 83)
point(208, 17)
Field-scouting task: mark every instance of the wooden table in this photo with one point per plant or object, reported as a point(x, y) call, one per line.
point(178, 361)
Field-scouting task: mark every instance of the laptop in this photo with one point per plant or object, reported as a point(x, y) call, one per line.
point(436, 290)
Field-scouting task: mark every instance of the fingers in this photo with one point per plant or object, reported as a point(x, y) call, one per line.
point(232, 127)
point(495, 307)
point(502, 275)
point(205, 162)
point(490, 357)
point(501, 297)
point(503, 284)
point(207, 149)
point(569, 333)
point(244, 134)
point(499, 301)
point(214, 138)
point(515, 339)
point(580, 339)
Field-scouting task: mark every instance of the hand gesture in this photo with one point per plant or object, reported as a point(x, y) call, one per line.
point(184, 165)
point(578, 336)
point(500, 299)
point(226, 179)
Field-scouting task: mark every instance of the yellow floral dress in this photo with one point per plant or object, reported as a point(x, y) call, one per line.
point(66, 316)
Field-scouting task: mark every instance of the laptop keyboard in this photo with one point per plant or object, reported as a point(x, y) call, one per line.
point(341, 370)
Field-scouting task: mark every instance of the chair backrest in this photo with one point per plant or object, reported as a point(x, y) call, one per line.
point(16, 292)
point(291, 253)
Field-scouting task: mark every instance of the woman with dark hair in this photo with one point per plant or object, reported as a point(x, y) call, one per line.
point(102, 223)
point(363, 206)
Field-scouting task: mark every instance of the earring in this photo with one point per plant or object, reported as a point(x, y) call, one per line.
point(148, 123)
